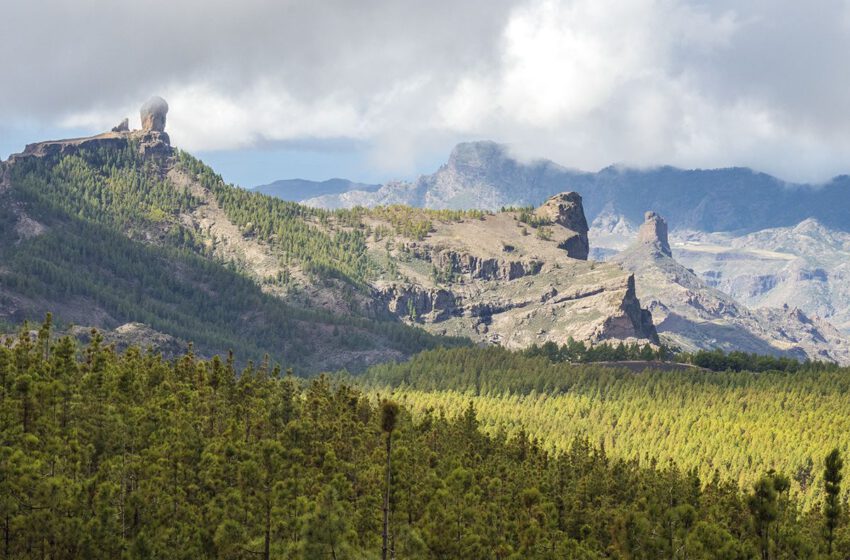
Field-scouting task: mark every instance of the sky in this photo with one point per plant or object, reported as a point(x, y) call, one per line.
point(375, 90)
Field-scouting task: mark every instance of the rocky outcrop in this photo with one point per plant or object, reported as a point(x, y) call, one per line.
point(416, 303)
point(152, 140)
point(633, 318)
point(483, 268)
point(490, 278)
point(653, 233)
point(153, 114)
point(692, 315)
point(565, 209)
point(123, 126)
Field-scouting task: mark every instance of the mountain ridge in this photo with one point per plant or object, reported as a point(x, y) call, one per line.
point(485, 175)
point(693, 315)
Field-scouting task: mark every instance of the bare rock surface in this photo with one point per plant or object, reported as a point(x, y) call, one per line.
point(153, 114)
point(653, 233)
point(495, 280)
point(692, 315)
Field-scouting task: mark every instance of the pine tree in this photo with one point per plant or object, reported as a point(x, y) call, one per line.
point(832, 487)
point(762, 504)
point(389, 418)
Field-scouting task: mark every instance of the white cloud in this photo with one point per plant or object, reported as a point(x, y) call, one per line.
point(585, 82)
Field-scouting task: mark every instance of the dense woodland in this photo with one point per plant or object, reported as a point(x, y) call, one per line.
point(106, 455)
point(492, 454)
point(740, 424)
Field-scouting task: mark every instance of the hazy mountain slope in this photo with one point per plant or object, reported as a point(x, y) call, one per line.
point(299, 189)
point(484, 175)
point(805, 266)
point(693, 315)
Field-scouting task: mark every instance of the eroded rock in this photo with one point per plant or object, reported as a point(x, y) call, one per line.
point(123, 126)
point(153, 114)
point(653, 232)
point(565, 209)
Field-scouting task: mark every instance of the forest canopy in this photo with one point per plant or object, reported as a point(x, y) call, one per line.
point(737, 423)
point(125, 455)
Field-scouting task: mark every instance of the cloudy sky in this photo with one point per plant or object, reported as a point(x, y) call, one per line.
point(373, 90)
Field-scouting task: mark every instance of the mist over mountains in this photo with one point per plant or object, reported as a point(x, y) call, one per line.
point(484, 175)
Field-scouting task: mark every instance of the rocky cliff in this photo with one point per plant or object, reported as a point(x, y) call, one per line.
point(151, 139)
point(692, 315)
point(497, 279)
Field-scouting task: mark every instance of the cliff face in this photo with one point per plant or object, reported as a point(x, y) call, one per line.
point(653, 234)
point(497, 279)
point(566, 210)
point(149, 142)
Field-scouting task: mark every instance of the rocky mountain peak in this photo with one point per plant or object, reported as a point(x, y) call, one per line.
point(653, 232)
point(565, 209)
point(152, 139)
point(475, 154)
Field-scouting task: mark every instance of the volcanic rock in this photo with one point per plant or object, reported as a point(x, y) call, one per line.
point(153, 114)
point(565, 209)
point(653, 232)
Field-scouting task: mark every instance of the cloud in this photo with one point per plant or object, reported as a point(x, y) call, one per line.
point(584, 82)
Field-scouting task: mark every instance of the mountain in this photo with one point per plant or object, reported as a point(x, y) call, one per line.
point(300, 189)
point(123, 232)
point(485, 175)
point(513, 278)
point(763, 241)
point(805, 266)
point(121, 228)
point(693, 315)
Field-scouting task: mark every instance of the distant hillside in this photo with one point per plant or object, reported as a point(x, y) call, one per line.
point(485, 175)
point(119, 229)
point(296, 190)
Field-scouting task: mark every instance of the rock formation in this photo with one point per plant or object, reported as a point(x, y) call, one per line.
point(153, 114)
point(151, 140)
point(565, 209)
point(692, 315)
point(123, 126)
point(653, 232)
point(496, 280)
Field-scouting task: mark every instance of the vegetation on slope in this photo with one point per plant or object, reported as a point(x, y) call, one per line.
point(127, 456)
point(328, 244)
point(738, 424)
point(95, 202)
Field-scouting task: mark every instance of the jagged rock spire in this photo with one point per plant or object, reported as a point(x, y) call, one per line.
point(653, 231)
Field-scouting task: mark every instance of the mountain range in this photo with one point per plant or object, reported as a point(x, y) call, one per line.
point(123, 232)
point(299, 189)
point(761, 241)
point(486, 176)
